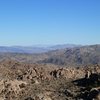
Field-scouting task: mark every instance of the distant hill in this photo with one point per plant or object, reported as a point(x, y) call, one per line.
point(33, 49)
point(55, 47)
point(81, 55)
point(75, 56)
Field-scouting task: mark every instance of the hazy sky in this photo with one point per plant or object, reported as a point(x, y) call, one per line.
point(30, 22)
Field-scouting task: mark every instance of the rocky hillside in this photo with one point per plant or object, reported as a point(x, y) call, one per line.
point(75, 56)
point(20, 81)
point(70, 57)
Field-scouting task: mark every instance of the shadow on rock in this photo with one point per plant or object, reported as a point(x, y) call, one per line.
point(91, 86)
point(93, 80)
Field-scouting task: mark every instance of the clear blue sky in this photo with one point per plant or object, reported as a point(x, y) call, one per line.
point(31, 22)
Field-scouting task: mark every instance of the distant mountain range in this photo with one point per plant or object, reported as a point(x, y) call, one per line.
point(74, 56)
point(68, 55)
point(33, 49)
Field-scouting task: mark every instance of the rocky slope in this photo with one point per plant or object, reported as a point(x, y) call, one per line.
point(75, 56)
point(20, 81)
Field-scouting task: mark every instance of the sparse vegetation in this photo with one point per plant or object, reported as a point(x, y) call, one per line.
point(21, 81)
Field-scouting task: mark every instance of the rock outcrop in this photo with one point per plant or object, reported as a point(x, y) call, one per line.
point(19, 81)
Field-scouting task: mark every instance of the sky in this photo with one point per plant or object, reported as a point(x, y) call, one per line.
point(49, 22)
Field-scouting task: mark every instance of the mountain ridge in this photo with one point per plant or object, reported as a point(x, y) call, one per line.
point(75, 56)
point(33, 49)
